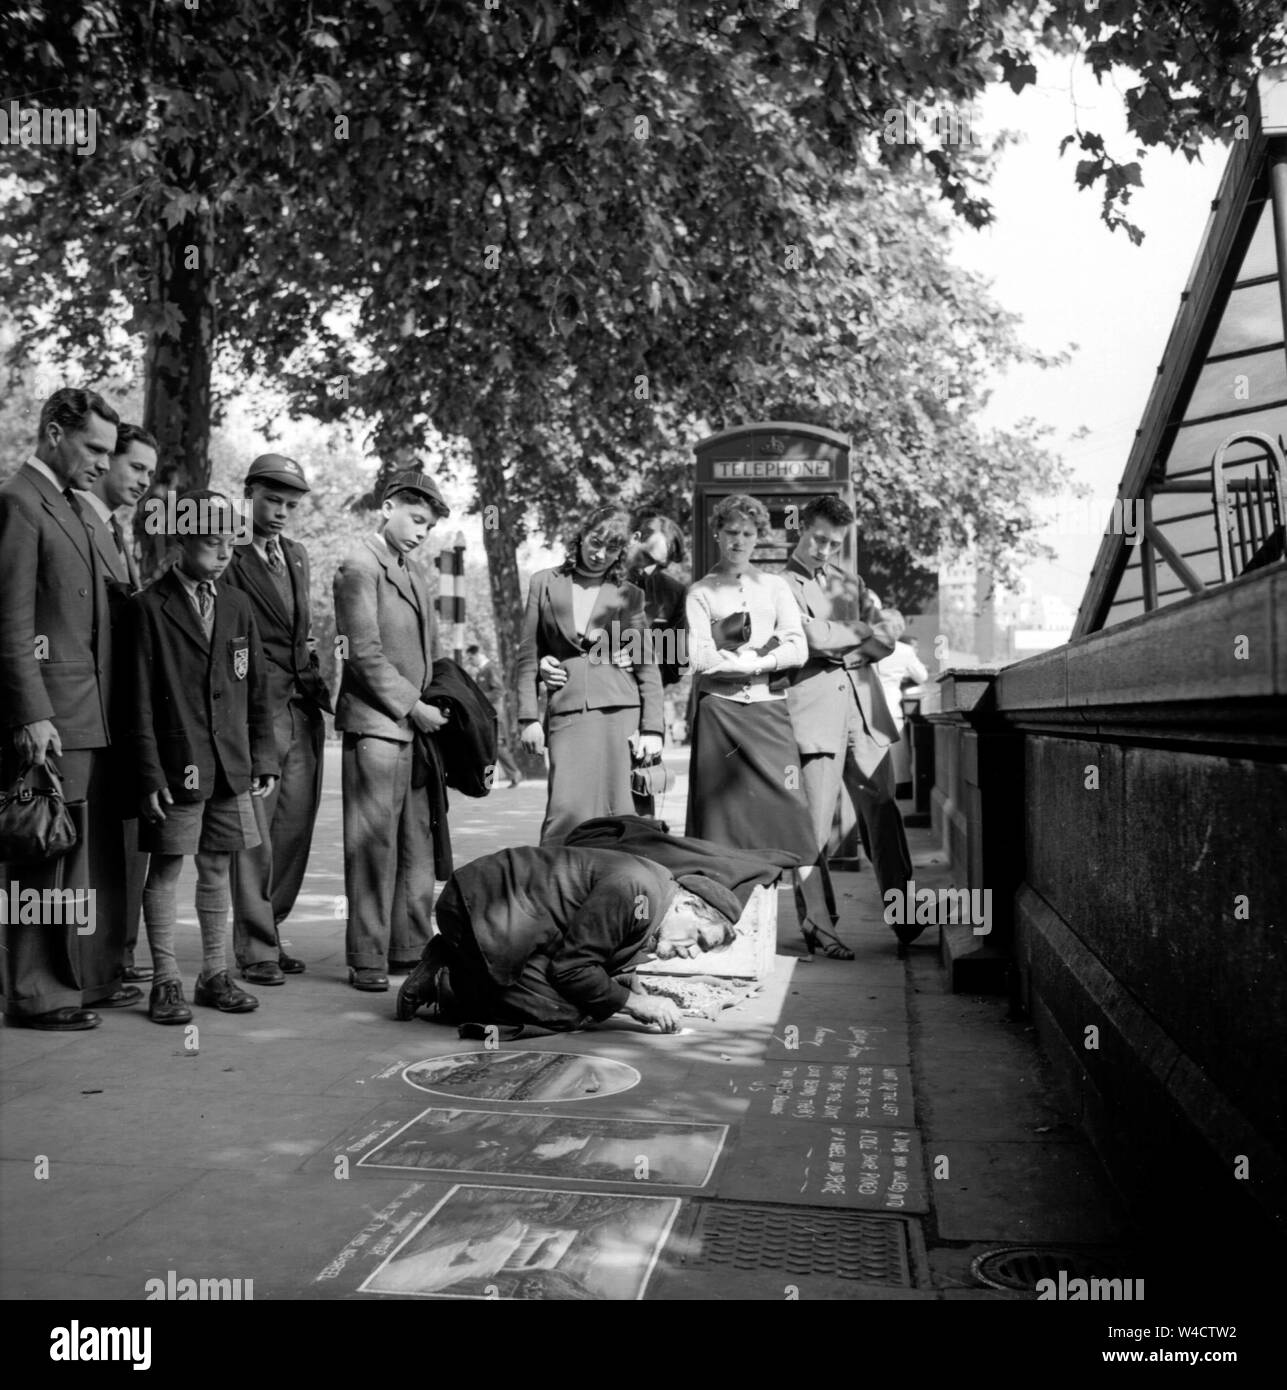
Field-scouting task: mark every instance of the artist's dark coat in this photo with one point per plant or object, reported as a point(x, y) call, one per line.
point(741, 872)
point(593, 912)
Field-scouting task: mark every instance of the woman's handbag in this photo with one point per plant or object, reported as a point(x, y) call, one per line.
point(35, 824)
point(651, 777)
point(731, 632)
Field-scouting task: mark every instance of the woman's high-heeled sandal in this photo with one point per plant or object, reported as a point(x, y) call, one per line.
point(834, 949)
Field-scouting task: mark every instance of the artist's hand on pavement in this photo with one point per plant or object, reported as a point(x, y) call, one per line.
point(33, 741)
point(532, 737)
point(261, 786)
point(649, 1008)
point(428, 718)
point(553, 672)
point(151, 806)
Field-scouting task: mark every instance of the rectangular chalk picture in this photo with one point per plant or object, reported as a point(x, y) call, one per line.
point(515, 1243)
point(580, 1148)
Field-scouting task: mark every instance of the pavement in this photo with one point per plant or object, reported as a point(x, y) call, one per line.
point(852, 1131)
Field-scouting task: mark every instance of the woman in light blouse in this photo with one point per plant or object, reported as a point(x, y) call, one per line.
point(745, 788)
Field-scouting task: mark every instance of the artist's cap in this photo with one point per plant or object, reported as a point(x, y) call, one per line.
point(412, 480)
point(203, 512)
point(277, 468)
point(712, 893)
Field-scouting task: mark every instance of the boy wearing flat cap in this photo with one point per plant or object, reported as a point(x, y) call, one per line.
point(202, 737)
point(385, 627)
point(273, 572)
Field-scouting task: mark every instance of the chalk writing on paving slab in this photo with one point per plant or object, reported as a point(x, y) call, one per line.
point(842, 1091)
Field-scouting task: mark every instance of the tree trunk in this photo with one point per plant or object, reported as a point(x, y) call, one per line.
point(503, 533)
point(179, 364)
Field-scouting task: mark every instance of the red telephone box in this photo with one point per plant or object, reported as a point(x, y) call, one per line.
point(781, 463)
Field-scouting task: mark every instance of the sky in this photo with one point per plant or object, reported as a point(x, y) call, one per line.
point(1051, 260)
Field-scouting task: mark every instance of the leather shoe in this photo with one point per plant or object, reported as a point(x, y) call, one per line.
point(166, 1003)
point(120, 998)
point(56, 1021)
point(219, 992)
point(373, 981)
point(290, 965)
point(136, 973)
point(263, 972)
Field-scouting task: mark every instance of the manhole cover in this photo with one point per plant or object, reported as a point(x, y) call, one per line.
point(839, 1245)
point(521, 1076)
point(1023, 1267)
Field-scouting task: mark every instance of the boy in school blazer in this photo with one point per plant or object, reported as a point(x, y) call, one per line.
point(202, 736)
point(272, 571)
point(385, 627)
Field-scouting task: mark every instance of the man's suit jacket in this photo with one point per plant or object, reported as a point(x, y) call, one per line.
point(667, 616)
point(592, 911)
point(293, 671)
point(839, 667)
point(549, 629)
point(384, 612)
point(196, 702)
point(53, 590)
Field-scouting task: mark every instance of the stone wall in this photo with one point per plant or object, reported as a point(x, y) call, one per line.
point(1148, 896)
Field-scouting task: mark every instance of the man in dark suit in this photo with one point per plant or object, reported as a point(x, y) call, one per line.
point(842, 724)
point(548, 936)
point(384, 626)
point(108, 511)
point(201, 732)
point(55, 673)
point(656, 544)
point(273, 572)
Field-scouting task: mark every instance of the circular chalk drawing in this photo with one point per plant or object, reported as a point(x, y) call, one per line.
point(521, 1076)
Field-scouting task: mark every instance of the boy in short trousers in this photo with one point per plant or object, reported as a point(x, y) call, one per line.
point(202, 738)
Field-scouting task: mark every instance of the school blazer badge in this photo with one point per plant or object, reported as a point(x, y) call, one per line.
point(240, 662)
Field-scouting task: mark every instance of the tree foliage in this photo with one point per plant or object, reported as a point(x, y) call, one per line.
point(502, 220)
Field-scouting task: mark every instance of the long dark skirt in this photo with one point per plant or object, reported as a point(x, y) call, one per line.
point(745, 787)
point(589, 768)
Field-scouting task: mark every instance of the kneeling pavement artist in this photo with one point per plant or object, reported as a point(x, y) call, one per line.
point(548, 937)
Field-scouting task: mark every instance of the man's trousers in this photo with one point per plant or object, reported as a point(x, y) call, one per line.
point(266, 880)
point(388, 854)
point(54, 963)
point(865, 770)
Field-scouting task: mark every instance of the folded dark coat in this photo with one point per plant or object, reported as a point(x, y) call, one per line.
point(461, 755)
point(467, 745)
point(741, 872)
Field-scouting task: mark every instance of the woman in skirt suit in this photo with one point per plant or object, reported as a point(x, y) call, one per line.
point(583, 635)
point(745, 789)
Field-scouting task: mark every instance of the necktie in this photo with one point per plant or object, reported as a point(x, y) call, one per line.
point(205, 602)
point(276, 565)
point(74, 502)
point(119, 537)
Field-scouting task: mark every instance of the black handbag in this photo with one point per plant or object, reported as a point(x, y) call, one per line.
point(731, 632)
point(651, 777)
point(35, 824)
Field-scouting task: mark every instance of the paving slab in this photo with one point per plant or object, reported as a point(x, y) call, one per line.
point(1021, 1192)
point(860, 1167)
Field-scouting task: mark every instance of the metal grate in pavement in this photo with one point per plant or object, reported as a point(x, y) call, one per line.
point(1023, 1267)
point(802, 1241)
